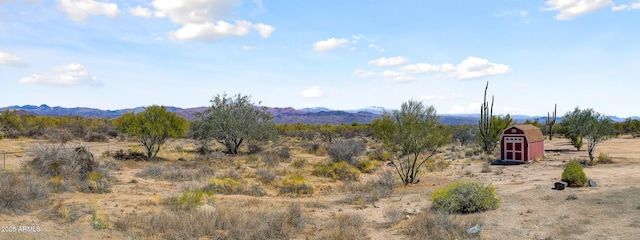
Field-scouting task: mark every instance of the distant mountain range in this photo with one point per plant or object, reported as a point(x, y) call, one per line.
point(316, 115)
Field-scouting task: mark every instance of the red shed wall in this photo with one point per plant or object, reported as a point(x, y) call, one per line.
point(537, 149)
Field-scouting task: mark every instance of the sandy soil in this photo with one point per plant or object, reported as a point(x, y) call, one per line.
point(530, 208)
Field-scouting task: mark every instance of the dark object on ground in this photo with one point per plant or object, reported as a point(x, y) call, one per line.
point(504, 162)
point(593, 183)
point(560, 185)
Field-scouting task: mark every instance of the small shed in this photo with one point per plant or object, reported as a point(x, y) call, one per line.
point(521, 143)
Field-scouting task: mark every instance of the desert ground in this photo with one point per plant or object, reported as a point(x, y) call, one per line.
point(530, 207)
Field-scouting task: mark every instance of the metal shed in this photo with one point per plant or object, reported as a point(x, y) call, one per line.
point(521, 143)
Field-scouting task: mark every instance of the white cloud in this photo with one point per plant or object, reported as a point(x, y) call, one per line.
point(570, 9)
point(78, 10)
point(420, 68)
point(396, 77)
point(11, 60)
point(635, 5)
point(330, 44)
point(211, 31)
point(264, 29)
point(470, 68)
point(312, 92)
point(204, 19)
point(360, 73)
point(387, 62)
point(140, 11)
point(72, 74)
point(472, 107)
point(196, 11)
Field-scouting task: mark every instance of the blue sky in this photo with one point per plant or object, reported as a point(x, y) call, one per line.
point(335, 54)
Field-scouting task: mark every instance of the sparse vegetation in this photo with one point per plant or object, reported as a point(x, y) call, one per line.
point(295, 184)
point(336, 171)
point(346, 150)
point(439, 226)
point(20, 193)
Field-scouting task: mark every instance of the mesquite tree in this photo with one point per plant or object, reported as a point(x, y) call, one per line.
point(153, 126)
point(233, 120)
point(589, 124)
point(409, 133)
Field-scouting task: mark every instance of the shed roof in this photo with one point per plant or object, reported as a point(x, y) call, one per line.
point(533, 133)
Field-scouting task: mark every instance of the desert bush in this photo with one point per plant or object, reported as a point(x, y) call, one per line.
point(294, 183)
point(486, 168)
point(299, 162)
point(465, 197)
point(311, 147)
point(254, 148)
point(438, 226)
point(284, 153)
point(256, 190)
point(380, 154)
point(366, 166)
point(59, 185)
point(346, 226)
point(394, 215)
point(99, 220)
point(346, 150)
point(189, 199)
point(574, 175)
point(96, 182)
point(226, 185)
point(266, 176)
point(321, 152)
point(96, 137)
point(20, 193)
point(270, 159)
point(603, 158)
point(336, 171)
point(371, 190)
point(59, 160)
point(436, 165)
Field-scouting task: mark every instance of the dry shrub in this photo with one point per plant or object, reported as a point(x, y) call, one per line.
point(394, 215)
point(299, 163)
point(438, 226)
point(346, 226)
point(266, 176)
point(366, 166)
point(59, 160)
point(603, 158)
point(346, 150)
point(336, 171)
point(486, 168)
point(228, 221)
point(295, 184)
point(436, 165)
point(371, 190)
point(20, 193)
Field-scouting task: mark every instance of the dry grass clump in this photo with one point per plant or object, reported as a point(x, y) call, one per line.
point(346, 226)
point(228, 221)
point(603, 158)
point(336, 171)
point(371, 190)
point(436, 165)
point(438, 226)
point(299, 163)
point(266, 176)
point(394, 215)
point(20, 193)
point(295, 184)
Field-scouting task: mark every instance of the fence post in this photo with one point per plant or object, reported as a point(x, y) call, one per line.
point(4, 160)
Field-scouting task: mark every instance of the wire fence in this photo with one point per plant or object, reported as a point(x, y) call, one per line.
point(108, 145)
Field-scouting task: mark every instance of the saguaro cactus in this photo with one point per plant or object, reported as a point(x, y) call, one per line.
point(550, 122)
point(486, 114)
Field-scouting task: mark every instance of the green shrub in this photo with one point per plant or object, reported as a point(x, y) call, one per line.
point(574, 175)
point(466, 197)
point(295, 183)
point(603, 158)
point(299, 163)
point(336, 171)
